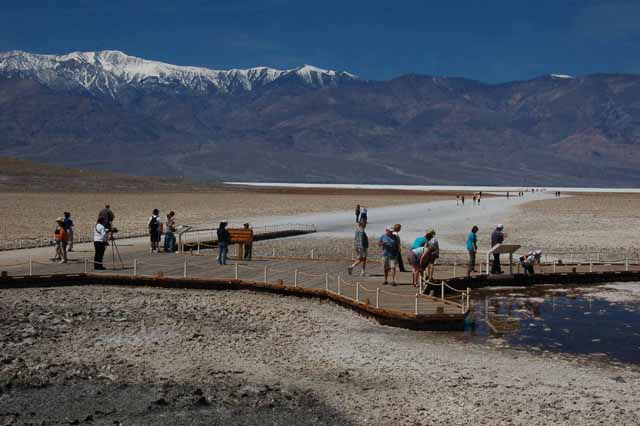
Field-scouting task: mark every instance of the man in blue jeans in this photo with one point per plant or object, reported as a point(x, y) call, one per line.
point(223, 242)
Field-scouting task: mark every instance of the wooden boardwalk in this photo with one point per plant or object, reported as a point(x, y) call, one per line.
point(321, 274)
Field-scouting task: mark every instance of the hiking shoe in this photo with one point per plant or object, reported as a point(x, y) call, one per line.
point(350, 270)
point(385, 283)
point(393, 283)
point(362, 274)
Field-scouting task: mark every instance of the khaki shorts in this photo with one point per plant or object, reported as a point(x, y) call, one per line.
point(390, 262)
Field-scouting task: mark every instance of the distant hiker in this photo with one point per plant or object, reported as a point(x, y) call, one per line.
point(507, 195)
point(472, 248)
point(107, 215)
point(223, 242)
point(358, 213)
point(462, 199)
point(169, 233)
point(100, 241)
point(474, 199)
point(362, 248)
point(363, 216)
point(155, 230)
point(60, 234)
point(396, 231)
point(497, 237)
point(248, 246)
point(457, 199)
point(389, 245)
point(68, 226)
point(479, 199)
point(432, 254)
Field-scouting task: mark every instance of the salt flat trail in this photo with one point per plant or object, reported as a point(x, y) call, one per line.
point(452, 222)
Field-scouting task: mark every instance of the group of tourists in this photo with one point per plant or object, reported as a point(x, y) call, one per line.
point(475, 198)
point(157, 229)
point(63, 238)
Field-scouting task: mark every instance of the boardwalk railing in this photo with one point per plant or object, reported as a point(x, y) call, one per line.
point(279, 274)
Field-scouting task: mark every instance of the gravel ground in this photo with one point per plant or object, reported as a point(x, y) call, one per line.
point(142, 356)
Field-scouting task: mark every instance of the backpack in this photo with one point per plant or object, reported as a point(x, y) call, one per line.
point(154, 224)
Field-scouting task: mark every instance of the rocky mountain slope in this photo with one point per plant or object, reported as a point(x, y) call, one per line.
point(110, 111)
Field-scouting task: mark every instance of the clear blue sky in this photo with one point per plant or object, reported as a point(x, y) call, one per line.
point(493, 41)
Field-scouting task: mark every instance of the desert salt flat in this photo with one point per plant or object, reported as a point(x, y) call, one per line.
point(451, 222)
point(435, 188)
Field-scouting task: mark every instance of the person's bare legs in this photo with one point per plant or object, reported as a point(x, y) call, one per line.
point(386, 274)
point(393, 275)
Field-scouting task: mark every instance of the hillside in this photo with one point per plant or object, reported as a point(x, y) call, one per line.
point(314, 125)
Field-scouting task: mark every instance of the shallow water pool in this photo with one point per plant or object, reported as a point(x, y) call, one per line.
point(600, 321)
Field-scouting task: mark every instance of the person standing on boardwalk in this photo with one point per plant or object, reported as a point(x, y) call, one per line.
point(169, 236)
point(107, 216)
point(358, 213)
point(60, 234)
point(457, 199)
point(396, 231)
point(223, 242)
point(497, 237)
point(248, 246)
point(100, 241)
point(472, 248)
point(362, 248)
point(431, 255)
point(155, 230)
point(389, 245)
point(68, 226)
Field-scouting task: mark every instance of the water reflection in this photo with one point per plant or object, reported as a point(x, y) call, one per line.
point(598, 321)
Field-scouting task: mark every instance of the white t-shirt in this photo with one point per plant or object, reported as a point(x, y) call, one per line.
point(100, 233)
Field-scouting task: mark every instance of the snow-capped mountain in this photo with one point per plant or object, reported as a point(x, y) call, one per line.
point(109, 72)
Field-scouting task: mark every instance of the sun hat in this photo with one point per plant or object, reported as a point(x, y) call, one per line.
point(500, 226)
point(431, 231)
point(60, 220)
point(397, 227)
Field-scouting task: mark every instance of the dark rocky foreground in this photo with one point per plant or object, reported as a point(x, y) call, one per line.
point(141, 356)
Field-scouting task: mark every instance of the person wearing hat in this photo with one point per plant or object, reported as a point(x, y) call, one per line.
point(431, 255)
point(223, 242)
point(527, 262)
point(61, 238)
point(497, 237)
point(389, 244)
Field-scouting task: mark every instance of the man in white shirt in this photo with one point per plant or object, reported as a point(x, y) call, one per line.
point(100, 241)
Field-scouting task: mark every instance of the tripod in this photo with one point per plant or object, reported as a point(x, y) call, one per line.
point(115, 252)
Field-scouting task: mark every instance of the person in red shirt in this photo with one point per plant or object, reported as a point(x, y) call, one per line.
point(62, 239)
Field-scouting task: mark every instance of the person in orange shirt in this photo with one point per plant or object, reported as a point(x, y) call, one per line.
point(61, 238)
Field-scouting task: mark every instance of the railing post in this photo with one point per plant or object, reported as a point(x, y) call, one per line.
point(554, 267)
point(185, 269)
point(265, 274)
point(377, 297)
point(30, 267)
point(312, 254)
point(626, 263)
point(416, 308)
point(590, 266)
point(86, 265)
point(442, 290)
point(135, 267)
point(326, 281)
point(295, 278)
point(357, 291)
point(273, 254)
point(454, 269)
point(198, 247)
point(467, 305)
point(236, 271)
point(338, 285)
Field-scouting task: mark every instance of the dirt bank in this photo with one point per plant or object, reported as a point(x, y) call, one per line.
point(147, 356)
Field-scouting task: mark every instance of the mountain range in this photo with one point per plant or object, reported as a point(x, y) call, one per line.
point(110, 111)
